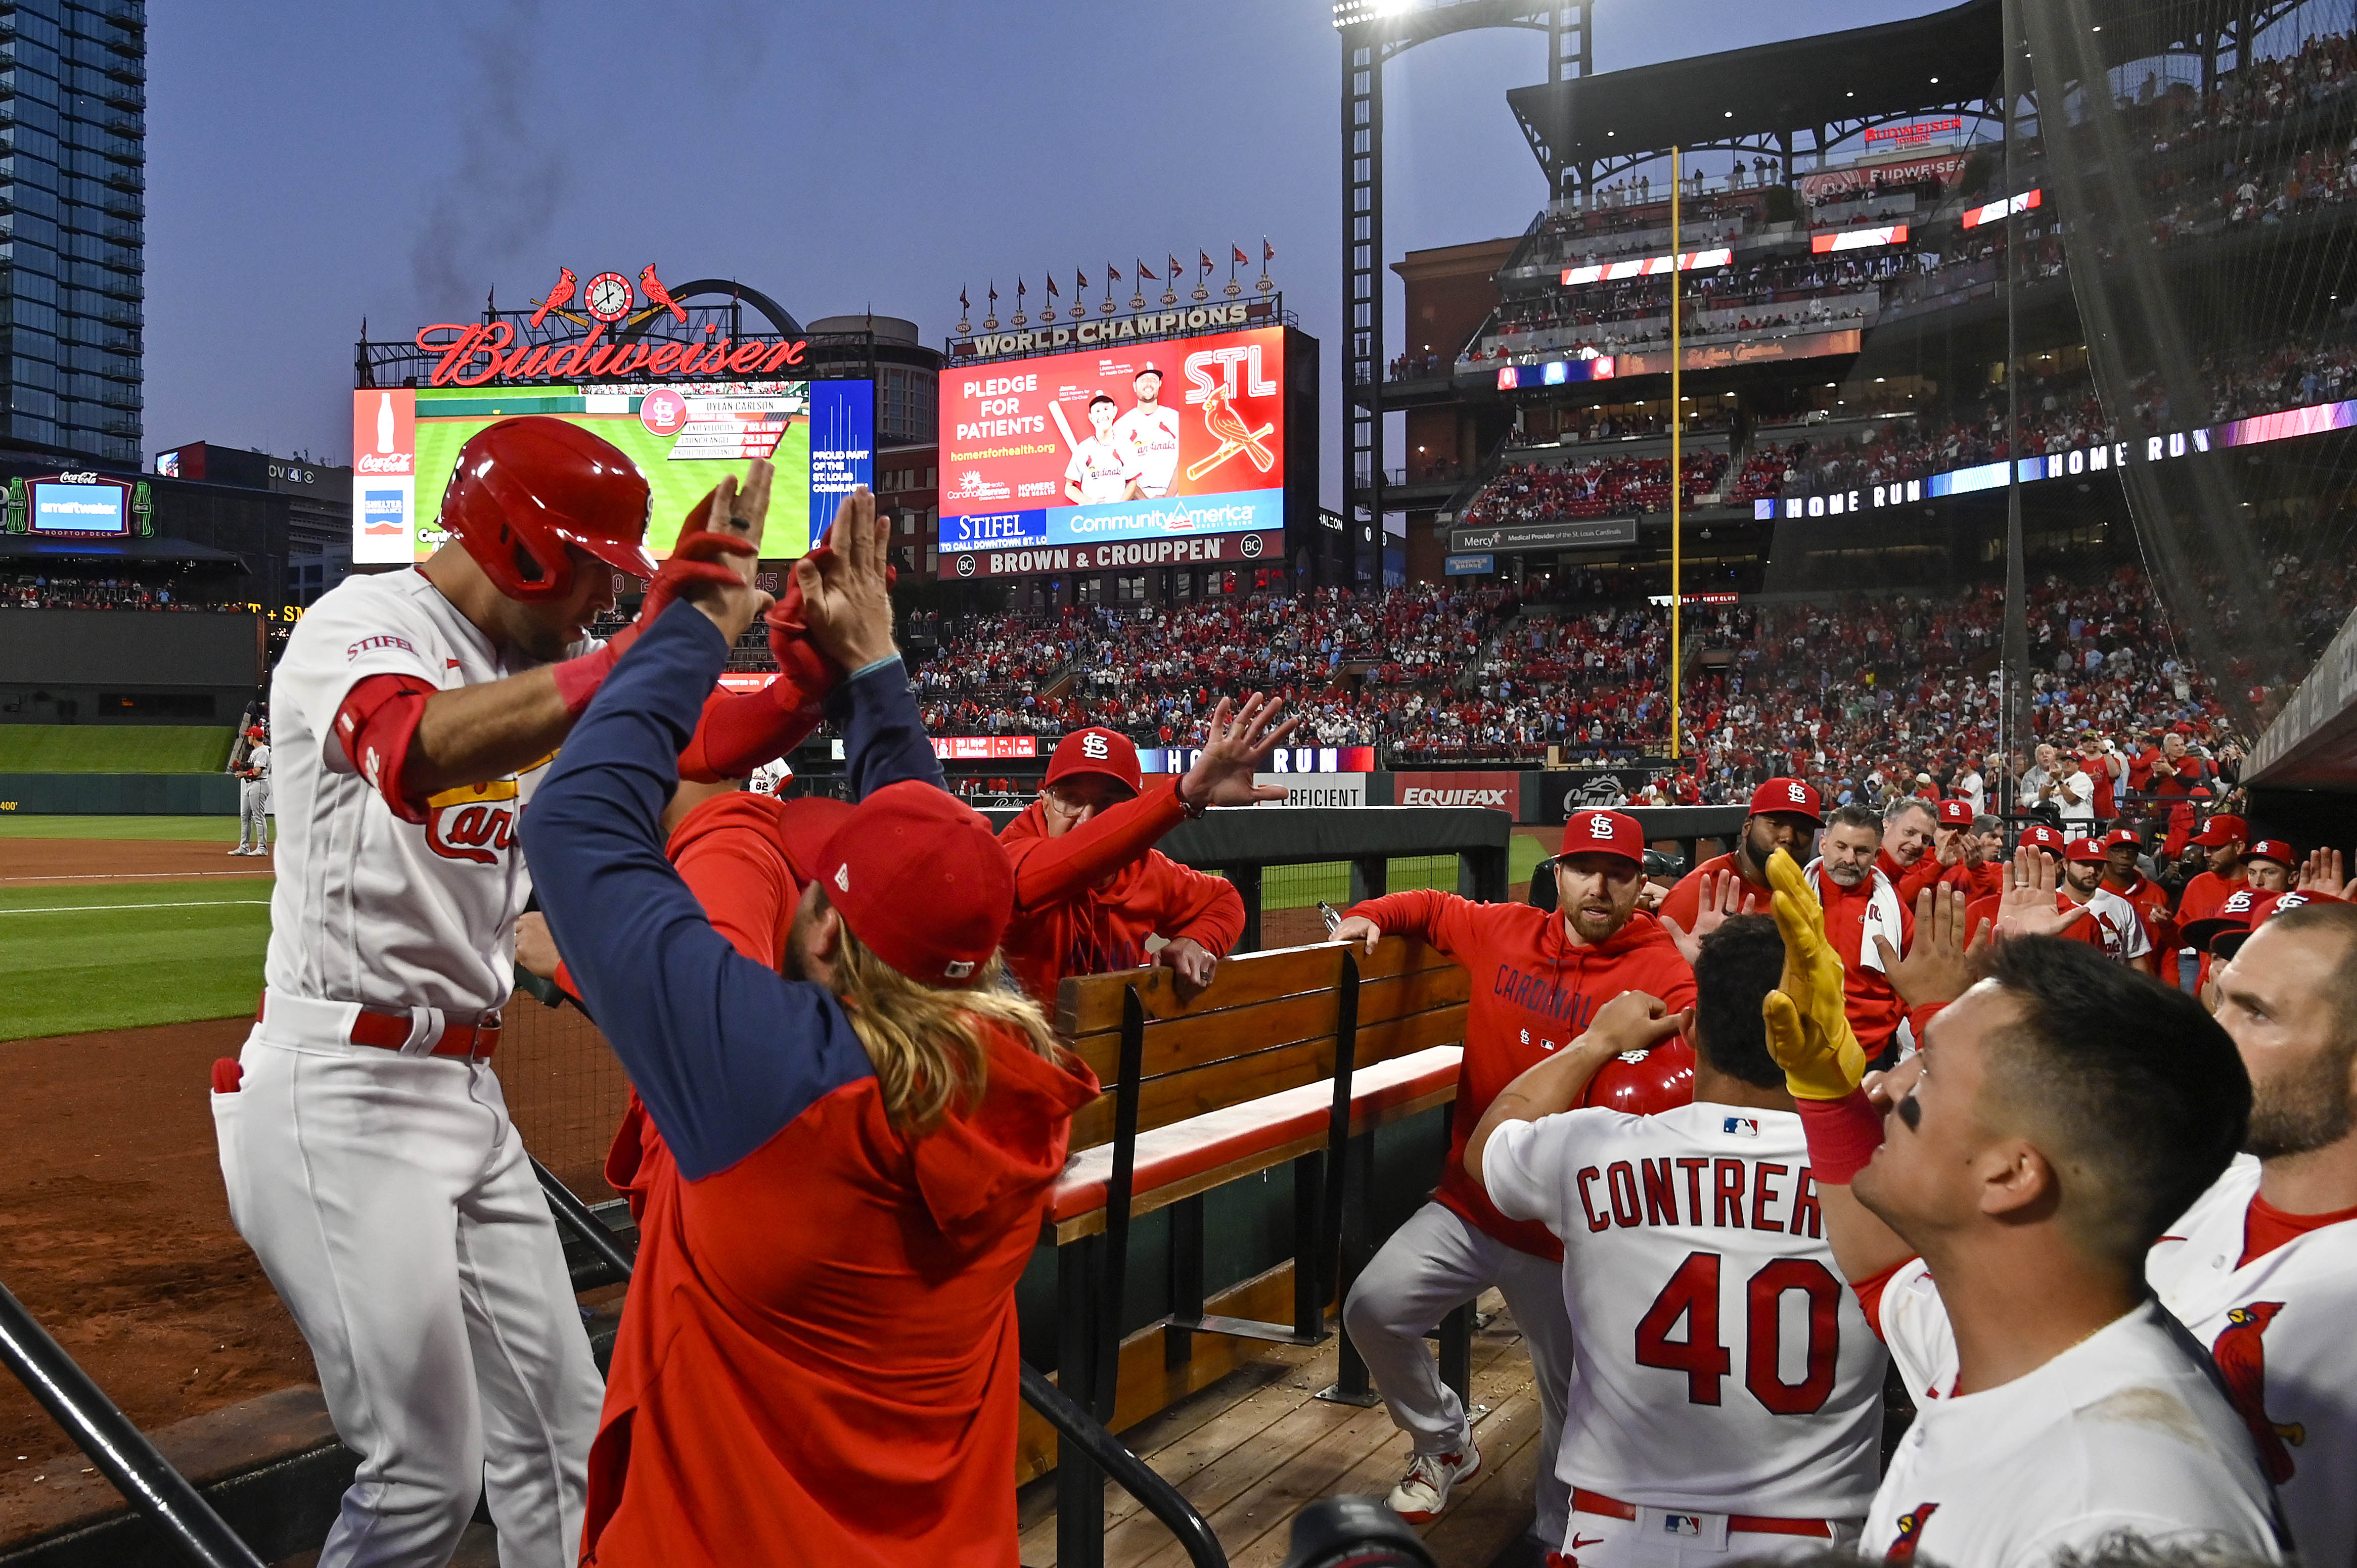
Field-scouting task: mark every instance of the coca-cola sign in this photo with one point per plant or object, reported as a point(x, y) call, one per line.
point(1496, 792)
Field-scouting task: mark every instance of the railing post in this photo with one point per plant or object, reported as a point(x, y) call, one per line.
point(1079, 1483)
point(119, 1449)
point(1186, 1277)
point(1370, 877)
point(1246, 879)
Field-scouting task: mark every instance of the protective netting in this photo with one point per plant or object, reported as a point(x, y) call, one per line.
point(2202, 159)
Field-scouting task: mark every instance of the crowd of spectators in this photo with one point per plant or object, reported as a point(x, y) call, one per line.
point(1528, 492)
point(47, 592)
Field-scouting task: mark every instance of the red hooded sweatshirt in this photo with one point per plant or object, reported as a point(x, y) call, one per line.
point(1067, 924)
point(1533, 993)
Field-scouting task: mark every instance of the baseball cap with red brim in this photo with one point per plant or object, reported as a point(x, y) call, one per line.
point(2223, 828)
point(919, 876)
point(1100, 751)
point(2085, 852)
point(2233, 913)
point(2038, 836)
point(2119, 837)
point(1604, 832)
point(2271, 849)
point(1778, 796)
point(804, 826)
point(1955, 813)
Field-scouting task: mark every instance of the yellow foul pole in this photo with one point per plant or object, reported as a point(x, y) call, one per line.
point(1677, 487)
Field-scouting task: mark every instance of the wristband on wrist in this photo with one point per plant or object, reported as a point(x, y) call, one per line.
point(1842, 1136)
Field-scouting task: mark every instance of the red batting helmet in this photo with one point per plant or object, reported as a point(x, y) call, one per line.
point(1645, 1083)
point(525, 488)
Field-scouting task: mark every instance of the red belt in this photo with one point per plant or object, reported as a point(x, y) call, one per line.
point(390, 1031)
point(1584, 1501)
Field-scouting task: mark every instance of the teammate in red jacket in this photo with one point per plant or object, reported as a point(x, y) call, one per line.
point(1860, 904)
point(1538, 976)
point(2223, 836)
point(1786, 814)
point(1089, 887)
point(1910, 832)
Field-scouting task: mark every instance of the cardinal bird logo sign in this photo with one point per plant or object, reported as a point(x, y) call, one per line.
point(1911, 1532)
point(2241, 1353)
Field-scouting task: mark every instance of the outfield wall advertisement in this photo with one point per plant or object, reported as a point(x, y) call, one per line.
point(684, 437)
point(1048, 460)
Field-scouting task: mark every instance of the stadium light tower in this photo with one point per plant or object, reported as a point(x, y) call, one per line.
point(1373, 32)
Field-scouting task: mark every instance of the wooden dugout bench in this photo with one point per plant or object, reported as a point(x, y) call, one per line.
point(1291, 1058)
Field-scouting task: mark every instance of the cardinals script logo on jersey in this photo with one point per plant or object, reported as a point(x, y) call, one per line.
point(474, 821)
point(2241, 1353)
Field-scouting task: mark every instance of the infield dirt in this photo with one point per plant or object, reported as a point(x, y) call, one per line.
point(82, 863)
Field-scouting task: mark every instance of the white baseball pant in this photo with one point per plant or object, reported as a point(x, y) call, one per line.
point(254, 814)
point(1662, 1538)
point(391, 1204)
point(1432, 1265)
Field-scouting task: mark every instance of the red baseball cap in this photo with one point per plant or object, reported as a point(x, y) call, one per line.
point(1604, 832)
point(2271, 849)
point(1955, 813)
point(919, 876)
point(1101, 751)
point(2038, 836)
point(2265, 907)
point(2086, 852)
point(804, 826)
point(2243, 910)
point(1780, 795)
point(2223, 828)
point(2121, 836)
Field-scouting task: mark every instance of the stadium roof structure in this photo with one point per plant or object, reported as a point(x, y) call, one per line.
point(1830, 86)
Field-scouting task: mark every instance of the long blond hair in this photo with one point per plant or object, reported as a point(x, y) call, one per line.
point(926, 1042)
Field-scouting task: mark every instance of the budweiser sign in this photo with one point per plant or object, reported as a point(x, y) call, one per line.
point(476, 353)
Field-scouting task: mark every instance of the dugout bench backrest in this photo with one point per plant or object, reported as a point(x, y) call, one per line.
point(1237, 1080)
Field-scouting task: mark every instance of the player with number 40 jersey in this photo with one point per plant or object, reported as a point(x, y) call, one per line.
point(1724, 1376)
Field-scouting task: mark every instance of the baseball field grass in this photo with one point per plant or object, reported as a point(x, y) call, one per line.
point(202, 830)
point(133, 953)
point(1299, 886)
point(114, 748)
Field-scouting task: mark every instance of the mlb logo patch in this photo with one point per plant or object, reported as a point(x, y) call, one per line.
point(1741, 1126)
point(1683, 1523)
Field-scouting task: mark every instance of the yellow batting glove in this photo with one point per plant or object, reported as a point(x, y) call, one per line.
point(1809, 1032)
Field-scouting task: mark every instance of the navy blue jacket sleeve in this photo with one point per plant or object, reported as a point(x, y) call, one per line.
point(724, 1051)
point(884, 735)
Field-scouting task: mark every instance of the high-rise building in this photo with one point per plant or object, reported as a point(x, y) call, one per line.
point(73, 129)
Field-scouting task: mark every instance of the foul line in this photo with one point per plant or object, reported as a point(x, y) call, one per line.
point(129, 877)
point(102, 908)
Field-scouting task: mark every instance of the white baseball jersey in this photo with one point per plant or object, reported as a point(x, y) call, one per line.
point(770, 777)
point(1102, 468)
point(368, 907)
point(257, 762)
point(2120, 925)
point(2126, 1430)
point(1150, 437)
point(2279, 1330)
point(1723, 1365)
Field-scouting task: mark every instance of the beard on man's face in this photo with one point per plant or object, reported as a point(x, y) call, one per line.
point(2304, 1108)
point(1845, 873)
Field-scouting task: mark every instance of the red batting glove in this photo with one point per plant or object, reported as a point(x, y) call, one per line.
point(698, 557)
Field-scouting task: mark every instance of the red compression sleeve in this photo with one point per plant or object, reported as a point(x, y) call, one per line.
point(740, 730)
point(375, 726)
point(1049, 869)
point(577, 680)
point(1842, 1136)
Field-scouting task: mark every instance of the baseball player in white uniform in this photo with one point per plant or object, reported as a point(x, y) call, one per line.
point(1726, 1398)
point(1101, 468)
point(769, 777)
point(1148, 436)
point(1995, 1221)
point(364, 1140)
point(2112, 922)
point(253, 798)
point(2263, 1268)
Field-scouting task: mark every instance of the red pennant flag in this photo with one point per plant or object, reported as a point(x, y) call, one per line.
point(1112, 274)
point(1146, 273)
point(1203, 260)
point(1175, 268)
point(1242, 259)
point(1267, 251)
point(1051, 286)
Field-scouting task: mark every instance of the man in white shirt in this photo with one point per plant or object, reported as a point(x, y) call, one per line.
point(1725, 1394)
point(1148, 436)
point(1100, 469)
point(1970, 786)
point(2062, 1112)
point(2263, 1268)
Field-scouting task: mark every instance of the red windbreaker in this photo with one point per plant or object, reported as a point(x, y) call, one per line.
point(1085, 902)
point(1874, 1009)
point(1909, 880)
point(1533, 993)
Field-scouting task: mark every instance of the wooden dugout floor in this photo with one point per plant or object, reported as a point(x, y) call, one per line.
point(1249, 1450)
